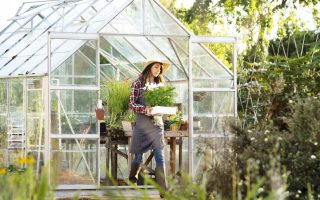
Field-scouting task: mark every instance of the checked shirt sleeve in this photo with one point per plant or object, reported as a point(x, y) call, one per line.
point(135, 93)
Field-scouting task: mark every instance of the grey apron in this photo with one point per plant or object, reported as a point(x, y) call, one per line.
point(146, 135)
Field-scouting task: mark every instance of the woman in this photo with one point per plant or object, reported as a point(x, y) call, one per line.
point(146, 134)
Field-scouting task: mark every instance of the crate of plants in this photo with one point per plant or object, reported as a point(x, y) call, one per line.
point(160, 98)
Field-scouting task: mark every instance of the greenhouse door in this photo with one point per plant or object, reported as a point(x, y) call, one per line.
point(212, 101)
point(73, 139)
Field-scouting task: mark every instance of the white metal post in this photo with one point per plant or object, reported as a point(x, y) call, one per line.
point(97, 123)
point(235, 87)
point(47, 107)
point(190, 114)
point(25, 108)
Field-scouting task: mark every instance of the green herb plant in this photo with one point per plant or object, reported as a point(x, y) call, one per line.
point(116, 95)
point(160, 96)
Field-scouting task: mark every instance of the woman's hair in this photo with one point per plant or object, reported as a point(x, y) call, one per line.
point(145, 73)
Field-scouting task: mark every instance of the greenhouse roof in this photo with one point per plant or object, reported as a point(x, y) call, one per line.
point(147, 29)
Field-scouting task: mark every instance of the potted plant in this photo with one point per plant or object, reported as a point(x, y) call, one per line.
point(175, 121)
point(115, 95)
point(160, 98)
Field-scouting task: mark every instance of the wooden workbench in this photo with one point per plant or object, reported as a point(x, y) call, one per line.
point(112, 150)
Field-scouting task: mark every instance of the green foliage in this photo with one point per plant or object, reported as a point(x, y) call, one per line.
point(115, 95)
point(296, 149)
point(160, 96)
point(21, 184)
point(291, 70)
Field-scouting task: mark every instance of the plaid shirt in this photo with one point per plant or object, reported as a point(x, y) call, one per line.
point(136, 92)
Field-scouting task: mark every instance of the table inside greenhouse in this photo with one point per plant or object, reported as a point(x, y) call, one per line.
point(170, 139)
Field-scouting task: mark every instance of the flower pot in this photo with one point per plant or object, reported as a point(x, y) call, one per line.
point(99, 114)
point(174, 127)
point(184, 126)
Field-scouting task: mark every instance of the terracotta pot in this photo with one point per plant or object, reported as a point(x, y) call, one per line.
point(184, 126)
point(100, 114)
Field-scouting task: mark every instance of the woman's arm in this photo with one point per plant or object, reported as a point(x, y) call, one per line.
point(135, 93)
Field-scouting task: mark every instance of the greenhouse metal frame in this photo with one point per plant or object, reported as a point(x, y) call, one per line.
point(50, 57)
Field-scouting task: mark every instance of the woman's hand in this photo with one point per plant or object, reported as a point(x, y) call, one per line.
point(149, 110)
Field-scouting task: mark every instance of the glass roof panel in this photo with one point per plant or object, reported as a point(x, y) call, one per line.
point(122, 45)
point(7, 45)
point(157, 21)
point(145, 47)
point(27, 54)
point(32, 62)
point(119, 61)
point(104, 15)
point(40, 68)
point(29, 46)
point(128, 21)
point(36, 10)
point(11, 29)
point(167, 47)
point(70, 16)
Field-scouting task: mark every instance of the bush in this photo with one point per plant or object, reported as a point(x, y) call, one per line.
point(296, 149)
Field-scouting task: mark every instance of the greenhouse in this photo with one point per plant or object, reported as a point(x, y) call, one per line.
point(54, 55)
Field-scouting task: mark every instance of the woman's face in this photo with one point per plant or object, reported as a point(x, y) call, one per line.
point(156, 69)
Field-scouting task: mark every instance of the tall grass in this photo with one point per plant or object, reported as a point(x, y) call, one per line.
point(116, 95)
point(24, 184)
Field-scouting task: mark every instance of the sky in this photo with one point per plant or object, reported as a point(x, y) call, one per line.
point(8, 9)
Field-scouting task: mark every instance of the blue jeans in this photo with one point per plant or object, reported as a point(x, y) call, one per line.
point(158, 156)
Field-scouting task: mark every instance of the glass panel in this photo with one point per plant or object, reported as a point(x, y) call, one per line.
point(211, 83)
point(40, 68)
point(79, 68)
point(107, 12)
point(128, 21)
point(35, 121)
point(69, 17)
point(145, 47)
point(212, 112)
point(108, 71)
point(74, 161)
point(73, 112)
point(35, 132)
point(3, 117)
point(157, 21)
point(3, 96)
point(16, 119)
point(16, 96)
point(204, 65)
